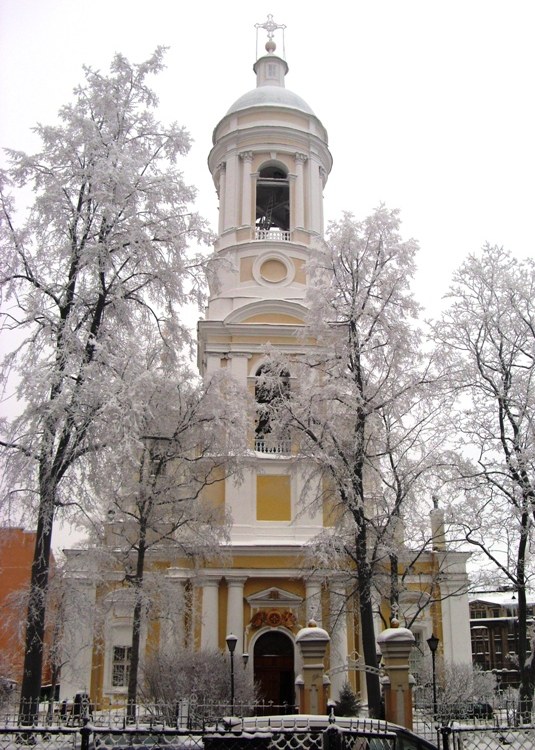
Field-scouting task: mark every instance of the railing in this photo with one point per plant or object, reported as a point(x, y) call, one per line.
point(256, 733)
point(276, 235)
point(491, 738)
point(266, 446)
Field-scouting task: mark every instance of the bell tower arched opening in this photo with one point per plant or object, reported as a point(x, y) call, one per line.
point(274, 669)
point(272, 199)
point(271, 388)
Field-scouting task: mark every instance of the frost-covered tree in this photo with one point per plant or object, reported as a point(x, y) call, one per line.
point(357, 390)
point(154, 484)
point(486, 339)
point(102, 251)
point(201, 678)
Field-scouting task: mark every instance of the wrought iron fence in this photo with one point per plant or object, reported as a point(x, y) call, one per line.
point(189, 713)
point(488, 738)
point(192, 725)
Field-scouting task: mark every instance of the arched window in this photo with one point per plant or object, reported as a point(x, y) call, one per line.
point(272, 386)
point(272, 200)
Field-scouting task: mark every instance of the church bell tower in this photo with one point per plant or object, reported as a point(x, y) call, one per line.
point(270, 162)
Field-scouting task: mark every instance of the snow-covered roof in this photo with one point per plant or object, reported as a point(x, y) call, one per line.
point(270, 96)
point(500, 598)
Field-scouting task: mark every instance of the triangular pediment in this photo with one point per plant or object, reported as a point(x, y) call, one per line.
point(274, 597)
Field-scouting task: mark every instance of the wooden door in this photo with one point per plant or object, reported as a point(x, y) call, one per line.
point(274, 668)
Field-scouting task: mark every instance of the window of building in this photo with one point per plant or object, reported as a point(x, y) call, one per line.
point(272, 199)
point(271, 388)
point(120, 668)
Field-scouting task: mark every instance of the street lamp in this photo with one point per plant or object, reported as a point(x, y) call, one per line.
point(231, 640)
point(432, 642)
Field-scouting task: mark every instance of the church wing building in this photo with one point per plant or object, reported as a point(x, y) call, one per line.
point(270, 163)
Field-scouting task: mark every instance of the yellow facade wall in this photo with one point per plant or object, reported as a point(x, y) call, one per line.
point(273, 498)
point(274, 318)
point(214, 493)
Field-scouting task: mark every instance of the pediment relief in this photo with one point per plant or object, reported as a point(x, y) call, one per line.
point(274, 597)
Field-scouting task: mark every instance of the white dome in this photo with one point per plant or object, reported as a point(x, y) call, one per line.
point(270, 96)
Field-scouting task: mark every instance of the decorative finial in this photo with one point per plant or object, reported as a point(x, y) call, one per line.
point(312, 623)
point(271, 27)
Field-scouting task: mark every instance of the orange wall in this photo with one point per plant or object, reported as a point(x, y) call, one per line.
point(16, 555)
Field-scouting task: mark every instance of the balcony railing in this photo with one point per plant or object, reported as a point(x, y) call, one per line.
point(276, 235)
point(265, 446)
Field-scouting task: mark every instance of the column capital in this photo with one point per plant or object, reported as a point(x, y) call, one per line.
point(236, 581)
point(302, 158)
point(246, 155)
point(208, 581)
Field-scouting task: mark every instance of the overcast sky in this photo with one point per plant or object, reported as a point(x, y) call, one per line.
point(429, 104)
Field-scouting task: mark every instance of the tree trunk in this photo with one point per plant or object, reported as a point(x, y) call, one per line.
point(35, 620)
point(136, 624)
point(369, 645)
point(394, 586)
point(526, 666)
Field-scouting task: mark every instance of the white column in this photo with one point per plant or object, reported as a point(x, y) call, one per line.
point(231, 189)
point(77, 643)
point(173, 631)
point(313, 600)
point(210, 613)
point(235, 610)
point(222, 193)
point(320, 182)
point(338, 609)
point(300, 160)
point(292, 187)
point(247, 159)
point(239, 366)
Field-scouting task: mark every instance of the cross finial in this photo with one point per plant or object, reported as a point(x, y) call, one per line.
point(270, 27)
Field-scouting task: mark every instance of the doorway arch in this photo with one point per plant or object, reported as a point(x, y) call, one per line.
point(274, 670)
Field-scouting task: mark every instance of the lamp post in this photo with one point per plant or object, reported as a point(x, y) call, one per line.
point(231, 640)
point(432, 642)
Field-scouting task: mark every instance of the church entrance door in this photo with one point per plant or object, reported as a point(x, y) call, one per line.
point(274, 669)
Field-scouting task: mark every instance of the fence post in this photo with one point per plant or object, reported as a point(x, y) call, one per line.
point(85, 733)
point(331, 739)
point(445, 731)
point(313, 691)
point(396, 644)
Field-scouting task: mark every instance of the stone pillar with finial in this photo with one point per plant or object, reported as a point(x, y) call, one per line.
point(396, 644)
point(312, 685)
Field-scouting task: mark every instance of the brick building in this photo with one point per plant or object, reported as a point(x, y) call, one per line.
point(16, 555)
point(493, 629)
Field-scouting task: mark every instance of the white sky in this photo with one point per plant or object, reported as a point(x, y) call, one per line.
point(429, 104)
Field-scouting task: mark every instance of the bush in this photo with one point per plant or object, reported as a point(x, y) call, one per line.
point(202, 678)
point(347, 704)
